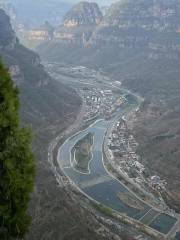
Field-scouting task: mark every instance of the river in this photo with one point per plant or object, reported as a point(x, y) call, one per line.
point(100, 186)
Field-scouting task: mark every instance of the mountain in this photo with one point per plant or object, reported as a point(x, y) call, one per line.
point(138, 43)
point(84, 13)
point(159, 15)
point(149, 25)
point(8, 39)
point(30, 76)
point(127, 27)
point(10, 10)
point(78, 23)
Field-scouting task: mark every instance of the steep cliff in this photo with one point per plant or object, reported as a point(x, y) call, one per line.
point(150, 25)
point(127, 27)
point(84, 13)
point(159, 15)
point(8, 39)
point(35, 84)
point(78, 24)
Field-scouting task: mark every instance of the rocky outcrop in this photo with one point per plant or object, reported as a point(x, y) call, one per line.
point(8, 38)
point(153, 25)
point(11, 12)
point(84, 13)
point(79, 24)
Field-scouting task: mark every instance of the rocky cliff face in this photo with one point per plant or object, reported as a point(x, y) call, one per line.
point(79, 24)
point(21, 61)
point(84, 13)
point(159, 15)
point(8, 38)
point(153, 25)
point(11, 12)
point(39, 93)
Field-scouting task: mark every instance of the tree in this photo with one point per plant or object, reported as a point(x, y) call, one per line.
point(16, 163)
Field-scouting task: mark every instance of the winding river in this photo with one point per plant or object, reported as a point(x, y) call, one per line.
point(100, 186)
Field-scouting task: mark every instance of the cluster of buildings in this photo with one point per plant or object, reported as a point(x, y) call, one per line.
point(157, 183)
point(122, 148)
point(101, 103)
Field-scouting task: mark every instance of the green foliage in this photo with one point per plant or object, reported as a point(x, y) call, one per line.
point(105, 210)
point(16, 163)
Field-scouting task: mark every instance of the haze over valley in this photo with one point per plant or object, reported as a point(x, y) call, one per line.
point(99, 86)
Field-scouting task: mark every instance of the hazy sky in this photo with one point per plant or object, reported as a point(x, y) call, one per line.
point(102, 2)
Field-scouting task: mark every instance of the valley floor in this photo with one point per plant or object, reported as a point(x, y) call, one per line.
point(84, 81)
point(58, 210)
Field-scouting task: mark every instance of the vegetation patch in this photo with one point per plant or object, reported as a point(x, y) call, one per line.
point(17, 166)
point(82, 153)
point(104, 209)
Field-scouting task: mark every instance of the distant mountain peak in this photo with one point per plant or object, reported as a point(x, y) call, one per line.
point(83, 13)
point(149, 14)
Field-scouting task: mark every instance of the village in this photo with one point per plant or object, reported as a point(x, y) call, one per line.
point(120, 150)
point(100, 103)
